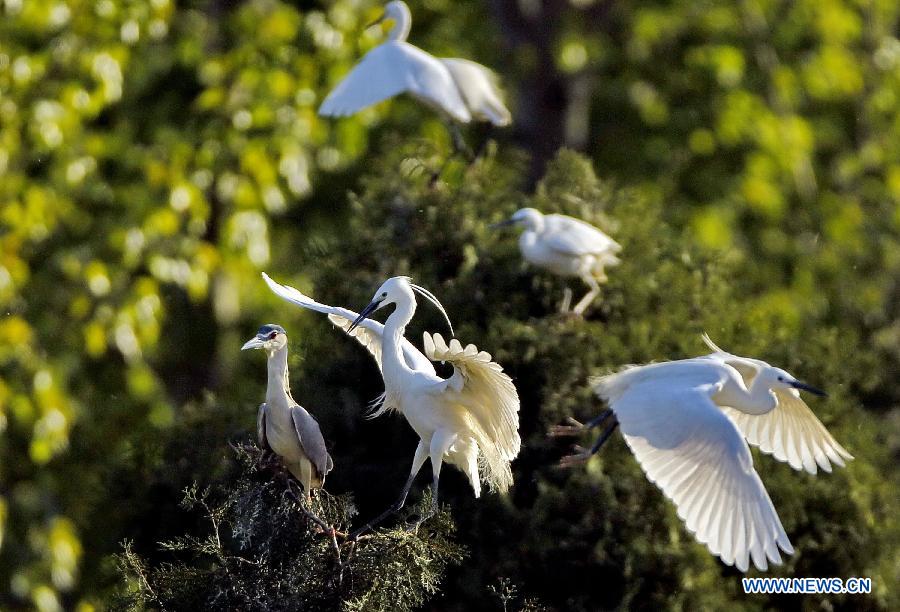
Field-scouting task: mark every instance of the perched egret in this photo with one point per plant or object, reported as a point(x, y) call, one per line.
point(460, 89)
point(566, 246)
point(284, 426)
point(688, 423)
point(469, 420)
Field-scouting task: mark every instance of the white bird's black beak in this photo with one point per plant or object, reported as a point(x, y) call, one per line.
point(376, 22)
point(372, 307)
point(254, 343)
point(500, 224)
point(804, 387)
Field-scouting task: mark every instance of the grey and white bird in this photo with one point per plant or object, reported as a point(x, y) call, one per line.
point(282, 425)
point(566, 246)
point(689, 422)
point(469, 420)
point(457, 88)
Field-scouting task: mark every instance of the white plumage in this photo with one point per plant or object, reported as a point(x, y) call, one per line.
point(566, 246)
point(469, 420)
point(458, 88)
point(688, 423)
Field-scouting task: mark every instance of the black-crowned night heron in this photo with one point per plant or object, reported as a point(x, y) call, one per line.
point(284, 426)
point(469, 420)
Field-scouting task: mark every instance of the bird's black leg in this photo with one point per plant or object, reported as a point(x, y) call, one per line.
point(575, 428)
point(483, 144)
point(459, 148)
point(582, 454)
point(395, 507)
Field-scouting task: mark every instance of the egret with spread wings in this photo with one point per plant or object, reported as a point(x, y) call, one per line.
point(469, 420)
point(688, 423)
point(460, 89)
point(566, 246)
point(283, 425)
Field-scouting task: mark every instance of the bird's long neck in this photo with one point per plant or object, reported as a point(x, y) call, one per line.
point(403, 19)
point(278, 386)
point(394, 332)
point(758, 399)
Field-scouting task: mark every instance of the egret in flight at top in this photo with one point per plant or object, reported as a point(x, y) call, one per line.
point(460, 89)
point(566, 246)
point(688, 423)
point(282, 425)
point(469, 420)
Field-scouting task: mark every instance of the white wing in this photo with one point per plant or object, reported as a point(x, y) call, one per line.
point(572, 236)
point(695, 454)
point(369, 333)
point(389, 70)
point(791, 433)
point(480, 386)
point(479, 90)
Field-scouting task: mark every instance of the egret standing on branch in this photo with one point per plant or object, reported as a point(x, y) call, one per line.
point(457, 88)
point(566, 246)
point(688, 423)
point(469, 420)
point(282, 425)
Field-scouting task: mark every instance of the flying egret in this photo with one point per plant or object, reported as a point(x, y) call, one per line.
point(284, 426)
point(457, 88)
point(469, 420)
point(565, 246)
point(688, 423)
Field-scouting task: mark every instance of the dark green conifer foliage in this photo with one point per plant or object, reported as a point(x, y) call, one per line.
point(264, 548)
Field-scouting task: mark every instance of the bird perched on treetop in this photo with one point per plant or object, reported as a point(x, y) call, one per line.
point(469, 420)
point(282, 425)
point(460, 89)
point(688, 423)
point(566, 246)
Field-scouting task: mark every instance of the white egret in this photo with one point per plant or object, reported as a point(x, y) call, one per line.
point(688, 423)
point(282, 425)
point(469, 420)
point(566, 246)
point(457, 88)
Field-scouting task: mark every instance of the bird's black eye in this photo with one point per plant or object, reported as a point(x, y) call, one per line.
point(781, 379)
point(384, 294)
point(272, 335)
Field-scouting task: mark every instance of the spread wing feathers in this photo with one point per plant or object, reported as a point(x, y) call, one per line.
point(261, 428)
point(489, 397)
point(575, 237)
point(479, 90)
point(791, 433)
point(369, 333)
point(694, 453)
point(391, 69)
point(311, 440)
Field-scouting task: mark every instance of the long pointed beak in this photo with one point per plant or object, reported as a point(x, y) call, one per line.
point(376, 22)
point(372, 307)
point(804, 387)
point(501, 224)
point(253, 343)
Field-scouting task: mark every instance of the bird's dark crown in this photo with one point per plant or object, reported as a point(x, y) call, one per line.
point(268, 328)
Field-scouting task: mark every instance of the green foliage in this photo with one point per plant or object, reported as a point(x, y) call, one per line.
point(156, 155)
point(265, 548)
point(602, 537)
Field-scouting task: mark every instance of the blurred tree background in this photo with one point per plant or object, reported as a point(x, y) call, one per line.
point(156, 155)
